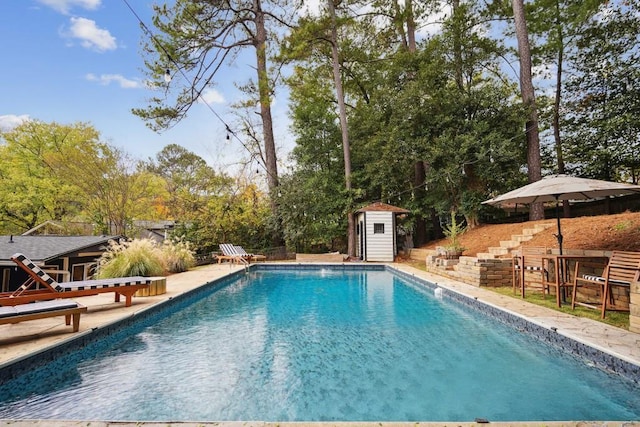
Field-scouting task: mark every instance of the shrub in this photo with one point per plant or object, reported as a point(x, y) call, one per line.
point(453, 231)
point(139, 257)
point(177, 255)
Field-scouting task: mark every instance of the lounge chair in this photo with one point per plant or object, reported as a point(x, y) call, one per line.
point(250, 257)
point(622, 269)
point(230, 253)
point(43, 309)
point(46, 288)
point(530, 259)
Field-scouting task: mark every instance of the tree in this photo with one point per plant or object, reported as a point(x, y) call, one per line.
point(198, 38)
point(64, 172)
point(450, 106)
point(238, 215)
point(557, 25)
point(111, 188)
point(312, 196)
point(534, 162)
point(30, 193)
point(603, 106)
point(190, 182)
point(342, 114)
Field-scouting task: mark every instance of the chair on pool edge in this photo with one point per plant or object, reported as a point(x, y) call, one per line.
point(230, 253)
point(50, 289)
point(530, 259)
point(251, 257)
point(622, 269)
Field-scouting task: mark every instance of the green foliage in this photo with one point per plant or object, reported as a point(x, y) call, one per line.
point(189, 182)
point(453, 231)
point(139, 257)
point(621, 226)
point(603, 110)
point(30, 190)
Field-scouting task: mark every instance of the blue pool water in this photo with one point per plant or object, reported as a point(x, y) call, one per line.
point(323, 346)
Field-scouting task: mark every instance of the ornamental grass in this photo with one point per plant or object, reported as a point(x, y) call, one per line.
point(178, 256)
point(138, 257)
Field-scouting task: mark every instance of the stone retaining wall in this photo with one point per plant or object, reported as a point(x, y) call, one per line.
point(472, 270)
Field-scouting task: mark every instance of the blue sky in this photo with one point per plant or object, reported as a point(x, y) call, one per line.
point(79, 61)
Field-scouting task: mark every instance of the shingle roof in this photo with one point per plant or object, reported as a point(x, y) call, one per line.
point(382, 207)
point(43, 248)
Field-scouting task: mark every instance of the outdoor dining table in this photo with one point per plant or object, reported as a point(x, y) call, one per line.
point(562, 272)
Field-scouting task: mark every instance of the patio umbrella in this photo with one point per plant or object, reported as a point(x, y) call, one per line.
point(563, 187)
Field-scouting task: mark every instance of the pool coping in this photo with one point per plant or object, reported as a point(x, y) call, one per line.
point(600, 355)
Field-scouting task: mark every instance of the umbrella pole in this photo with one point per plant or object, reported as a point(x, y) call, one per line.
point(559, 235)
point(559, 266)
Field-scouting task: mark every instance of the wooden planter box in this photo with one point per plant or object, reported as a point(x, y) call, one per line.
point(158, 286)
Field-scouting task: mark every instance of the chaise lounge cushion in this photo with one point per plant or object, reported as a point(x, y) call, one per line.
point(37, 307)
point(602, 279)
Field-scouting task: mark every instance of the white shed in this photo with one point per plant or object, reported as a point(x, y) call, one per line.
point(376, 232)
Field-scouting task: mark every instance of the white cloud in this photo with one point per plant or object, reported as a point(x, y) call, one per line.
point(90, 36)
point(10, 121)
point(211, 96)
point(64, 6)
point(106, 79)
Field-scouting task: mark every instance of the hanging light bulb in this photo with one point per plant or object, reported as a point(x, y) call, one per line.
point(167, 75)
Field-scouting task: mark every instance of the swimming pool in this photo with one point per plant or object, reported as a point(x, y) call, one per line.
point(349, 345)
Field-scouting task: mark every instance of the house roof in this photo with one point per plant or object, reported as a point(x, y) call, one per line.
point(382, 207)
point(43, 248)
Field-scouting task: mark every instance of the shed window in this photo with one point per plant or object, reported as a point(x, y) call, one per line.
point(378, 228)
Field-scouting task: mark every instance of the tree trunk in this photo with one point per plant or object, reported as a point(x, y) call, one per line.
point(457, 48)
point(351, 229)
point(534, 164)
point(419, 170)
point(566, 208)
point(420, 232)
point(411, 26)
point(264, 89)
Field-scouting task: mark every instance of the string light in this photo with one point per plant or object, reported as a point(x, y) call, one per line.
point(167, 78)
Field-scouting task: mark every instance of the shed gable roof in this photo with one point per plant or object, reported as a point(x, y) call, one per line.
point(382, 207)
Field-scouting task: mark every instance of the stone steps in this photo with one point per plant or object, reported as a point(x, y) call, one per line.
point(507, 246)
point(503, 251)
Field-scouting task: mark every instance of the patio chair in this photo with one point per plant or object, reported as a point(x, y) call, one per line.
point(40, 286)
point(530, 259)
point(230, 253)
point(251, 257)
point(43, 309)
point(622, 269)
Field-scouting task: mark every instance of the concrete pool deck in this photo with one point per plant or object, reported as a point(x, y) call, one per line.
point(20, 340)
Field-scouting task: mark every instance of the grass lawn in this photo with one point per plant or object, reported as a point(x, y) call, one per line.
point(614, 318)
